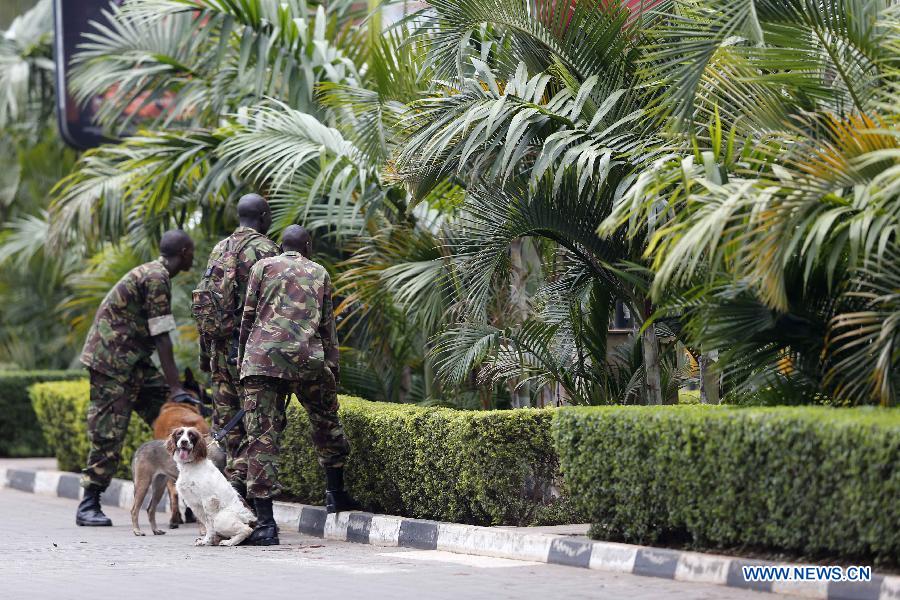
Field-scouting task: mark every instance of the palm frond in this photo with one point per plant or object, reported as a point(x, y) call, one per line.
point(26, 66)
point(90, 286)
point(24, 238)
point(370, 114)
point(501, 130)
point(820, 201)
point(301, 161)
point(191, 61)
point(828, 55)
point(149, 182)
point(586, 37)
point(865, 340)
point(491, 219)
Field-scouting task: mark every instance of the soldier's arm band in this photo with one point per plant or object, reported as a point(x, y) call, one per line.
point(163, 324)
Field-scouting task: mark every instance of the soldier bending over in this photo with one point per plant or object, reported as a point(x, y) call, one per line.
point(134, 319)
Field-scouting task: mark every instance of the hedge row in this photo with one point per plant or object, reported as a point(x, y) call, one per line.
point(474, 467)
point(61, 408)
point(20, 432)
point(814, 480)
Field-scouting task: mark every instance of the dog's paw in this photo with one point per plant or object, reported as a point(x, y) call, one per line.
point(200, 542)
point(229, 542)
point(159, 532)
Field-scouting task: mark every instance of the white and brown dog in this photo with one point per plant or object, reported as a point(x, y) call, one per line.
point(216, 504)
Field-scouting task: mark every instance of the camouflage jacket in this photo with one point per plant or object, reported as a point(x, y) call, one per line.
point(137, 308)
point(252, 250)
point(287, 329)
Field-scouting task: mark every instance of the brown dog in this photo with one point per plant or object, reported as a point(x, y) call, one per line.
point(173, 415)
point(178, 414)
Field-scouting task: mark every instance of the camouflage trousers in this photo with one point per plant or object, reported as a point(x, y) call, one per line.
point(227, 393)
point(112, 401)
point(265, 399)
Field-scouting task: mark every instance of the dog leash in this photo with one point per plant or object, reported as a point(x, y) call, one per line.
point(217, 436)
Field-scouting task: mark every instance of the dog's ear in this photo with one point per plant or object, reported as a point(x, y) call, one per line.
point(171, 441)
point(201, 450)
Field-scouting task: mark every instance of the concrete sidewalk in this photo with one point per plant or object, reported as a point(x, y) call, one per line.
point(45, 556)
point(563, 545)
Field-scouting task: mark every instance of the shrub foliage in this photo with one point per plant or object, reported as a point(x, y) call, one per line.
point(486, 468)
point(61, 408)
point(815, 480)
point(476, 467)
point(20, 433)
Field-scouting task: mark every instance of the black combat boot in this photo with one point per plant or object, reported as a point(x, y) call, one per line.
point(336, 498)
point(266, 532)
point(89, 512)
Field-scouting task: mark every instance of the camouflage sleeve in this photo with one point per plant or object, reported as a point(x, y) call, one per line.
point(328, 332)
point(249, 315)
point(158, 304)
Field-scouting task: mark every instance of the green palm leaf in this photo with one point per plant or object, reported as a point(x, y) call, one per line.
point(588, 38)
point(192, 61)
point(300, 160)
point(26, 67)
point(865, 342)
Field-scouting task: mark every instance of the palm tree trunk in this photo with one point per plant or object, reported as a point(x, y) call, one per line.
point(432, 385)
point(709, 379)
point(519, 395)
point(518, 273)
point(652, 372)
point(405, 384)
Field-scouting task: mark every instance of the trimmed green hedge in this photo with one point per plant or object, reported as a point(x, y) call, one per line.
point(20, 432)
point(815, 480)
point(490, 468)
point(474, 467)
point(61, 409)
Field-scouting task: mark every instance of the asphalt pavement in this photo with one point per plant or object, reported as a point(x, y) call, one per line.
point(44, 555)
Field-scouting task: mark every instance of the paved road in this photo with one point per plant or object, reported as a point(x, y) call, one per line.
point(44, 555)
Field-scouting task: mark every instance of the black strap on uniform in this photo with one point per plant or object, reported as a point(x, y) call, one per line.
point(217, 436)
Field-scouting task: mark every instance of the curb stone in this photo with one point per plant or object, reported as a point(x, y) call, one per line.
point(387, 530)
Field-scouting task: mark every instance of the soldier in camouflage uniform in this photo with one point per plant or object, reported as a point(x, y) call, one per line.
point(134, 319)
point(288, 344)
point(219, 357)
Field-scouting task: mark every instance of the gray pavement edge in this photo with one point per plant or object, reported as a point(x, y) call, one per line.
point(500, 542)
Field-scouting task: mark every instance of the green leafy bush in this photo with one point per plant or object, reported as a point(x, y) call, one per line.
point(61, 408)
point(20, 432)
point(815, 480)
point(491, 468)
point(494, 467)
